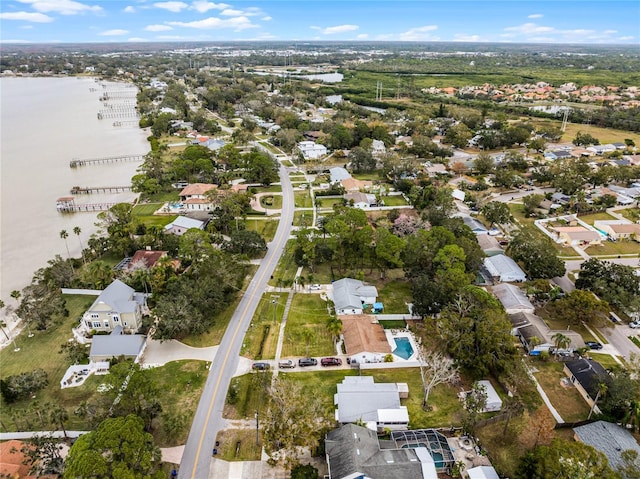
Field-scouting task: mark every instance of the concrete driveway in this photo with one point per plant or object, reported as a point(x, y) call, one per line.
point(160, 353)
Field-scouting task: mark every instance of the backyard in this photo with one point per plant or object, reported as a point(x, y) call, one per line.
point(306, 333)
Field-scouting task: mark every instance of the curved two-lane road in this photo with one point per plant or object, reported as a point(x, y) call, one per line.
point(196, 459)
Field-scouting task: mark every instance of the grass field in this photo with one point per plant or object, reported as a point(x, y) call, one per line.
point(609, 248)
point(262, 336)
point(267, 228)
point(271, 202)
point(303, 218)
point(145, 209)
point(395, 295)
point(605, 135)
point(308, 313)
point(328, 202)
point(286, 269)
point(630, 213)
point(239, 445)
point(589, 219)
point(567, 401)
point(302, 199)
point(396, 200)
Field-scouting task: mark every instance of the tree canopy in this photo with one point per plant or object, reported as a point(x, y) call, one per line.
point(536, 253)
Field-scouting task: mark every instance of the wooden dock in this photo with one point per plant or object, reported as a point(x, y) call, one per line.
point(86, 190)
point(108, 159)
point(66, 204)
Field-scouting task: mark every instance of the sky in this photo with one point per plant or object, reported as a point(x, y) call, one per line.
point(516, 21)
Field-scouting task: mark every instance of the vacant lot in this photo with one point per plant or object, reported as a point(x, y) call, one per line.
point(306, 333)
point(262, 335)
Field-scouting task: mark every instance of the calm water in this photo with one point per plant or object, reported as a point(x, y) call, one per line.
point(44, 123)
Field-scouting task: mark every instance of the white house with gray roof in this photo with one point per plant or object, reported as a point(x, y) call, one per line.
point(512, 298)
point(115, 345)
point(608, 438)
point(350, 296)
point(359, 398)
point(118, 305)
point(504, 269)
point(182, 224)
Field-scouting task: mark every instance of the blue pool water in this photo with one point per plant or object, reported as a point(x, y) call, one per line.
point(403, 348)
point(438, 458)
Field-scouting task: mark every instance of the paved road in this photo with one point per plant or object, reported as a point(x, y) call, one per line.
point(196, 459)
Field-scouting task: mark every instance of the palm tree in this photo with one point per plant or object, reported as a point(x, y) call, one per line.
point(15, 294)
point(602, 390)
point(632, 416)
point(561, 342)
point(3, 324)
point(307, 335)
point(77, 231)
point(59, 415)
point(98, 274)
point(334, 325)
point(64, 235)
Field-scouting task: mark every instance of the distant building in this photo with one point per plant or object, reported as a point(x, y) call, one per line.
point(182, 224)
point(311, 150)
point(360, 200)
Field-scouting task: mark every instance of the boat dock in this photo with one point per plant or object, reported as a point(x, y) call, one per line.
point(66, 204)
point(79, 190)
point(108, 159)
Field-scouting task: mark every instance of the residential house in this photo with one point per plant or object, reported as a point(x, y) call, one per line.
point(489, 245)
point(311, 150)
point(360, 200)
point(116, 345)
point(377, 405)
point(377, 148)
point(182, 224)
point(117, 305)
point(435, 169)
point(560, 198)
point(608, 438)
point(351, 185)
point(194, 196)
point(337, 174)
point(146, 259)
point(13, 462)
point(618, 229)
point(501, 268)
point(586, 375)
point(364, 339)
point(476, 226)
point(458, 195)
point(577, 235)
point(356, 452)
point(528, 326)
point(350, 296)
point(512, 298)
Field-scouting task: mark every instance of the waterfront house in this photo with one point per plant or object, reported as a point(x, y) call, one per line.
point(182, 224)
point(116, 345)
point(117, 305)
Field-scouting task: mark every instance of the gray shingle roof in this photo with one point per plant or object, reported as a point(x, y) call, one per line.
point(588, 373)
point(610, 439)
point(347, 293)
point(115, 345)
point(359, 398)
point(504, 267)
point(119, 296)
point(354, 449)
point(511, 297)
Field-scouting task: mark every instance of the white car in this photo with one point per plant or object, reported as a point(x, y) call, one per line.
point(634, 324)
point(315, 287)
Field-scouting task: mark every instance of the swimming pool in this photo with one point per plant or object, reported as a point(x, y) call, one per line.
point(403, 348)
point(438, 458)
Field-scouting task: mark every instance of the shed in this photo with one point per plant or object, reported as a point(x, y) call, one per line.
point(482, 472)
point(494, 403)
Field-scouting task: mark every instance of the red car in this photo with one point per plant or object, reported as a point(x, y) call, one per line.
point(331, 362)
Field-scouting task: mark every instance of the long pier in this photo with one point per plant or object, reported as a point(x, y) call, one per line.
point(108, 159)
point(86, 190)
point(67, 205)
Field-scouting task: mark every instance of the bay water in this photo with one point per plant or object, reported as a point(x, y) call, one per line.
point(44, 124)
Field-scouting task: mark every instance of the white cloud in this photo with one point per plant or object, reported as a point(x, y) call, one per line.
point(137, 39)
point(463, 37)
point(203, 6)
point(529, 29)
point(266, 19)
point(247, 12)
point(212, 23)
point(230, 12)
point(63, 7)
point(314, 27)
point(362, 36)
point(419, 34)
point(175, 7)
point(339, 29)
point(626, 39)
point(129, 9)
point(113, 33)
point(535, 15)
point(158, 28)
point(26, 17)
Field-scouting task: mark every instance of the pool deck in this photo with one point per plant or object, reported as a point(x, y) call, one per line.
point(392, 334)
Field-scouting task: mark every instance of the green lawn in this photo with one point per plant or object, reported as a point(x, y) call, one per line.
point(156, 220)
point(146, 209)
point(517, 210)
point(322, 202)
point(267, 189)
point(246, 394)
point(630, 213)
point(180, 385)
point(609, 248)
point(41, 352)
point(239, 445)
point(262, 336)
point(271, 202)
point(395, 295)
point(589, 219)
point(303, 218)
point(395, 200)
point(267, 228)
point(302, 199)
point(567, 401)
point(286, 269)
point(308, 313)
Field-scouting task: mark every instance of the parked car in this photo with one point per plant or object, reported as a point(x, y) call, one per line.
point(331, 362)
point(260, 366)
point(286, 364)
point(303, 362)
point(314, 287)
point(634, 324)
point(593, 344)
